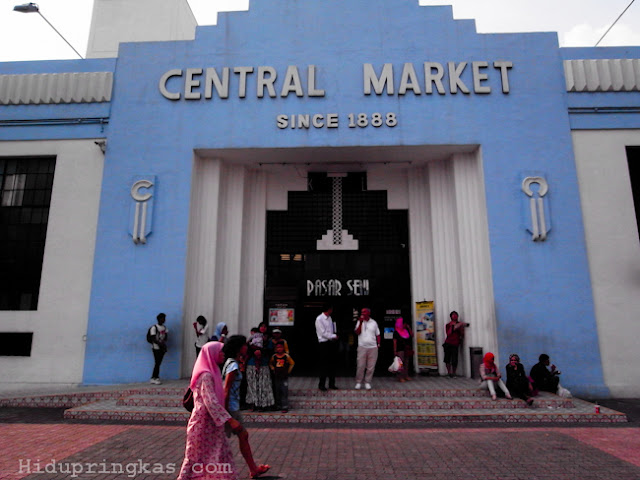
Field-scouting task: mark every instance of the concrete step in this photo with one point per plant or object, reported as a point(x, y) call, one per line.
point(161, 390)
point(397, 417)
point(429, 403)
point(109, 410)
point(366, 401)
point(423, 400)
point(388, 392)
point(350, 393)
point(504, 411)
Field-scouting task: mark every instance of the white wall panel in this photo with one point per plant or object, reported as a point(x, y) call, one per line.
point(281, 181)
point(613, 250)
point(60, 322)
point(394, 181)
point(114, 22)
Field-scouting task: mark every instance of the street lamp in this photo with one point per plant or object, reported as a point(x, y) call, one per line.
point(33, 7)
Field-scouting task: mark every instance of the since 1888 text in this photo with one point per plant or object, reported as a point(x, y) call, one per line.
point(332, 120)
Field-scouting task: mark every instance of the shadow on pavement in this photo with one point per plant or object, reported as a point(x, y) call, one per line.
point(31, 415)
point(41, 415)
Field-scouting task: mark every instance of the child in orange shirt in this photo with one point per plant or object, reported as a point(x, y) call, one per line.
point(281, 365)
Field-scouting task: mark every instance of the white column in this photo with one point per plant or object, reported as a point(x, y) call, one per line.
point(446, 257)
point(420, 232)
point(201, 254)
point(253, 252)
point(420, 240)
point(229, 249)
point(473, 239)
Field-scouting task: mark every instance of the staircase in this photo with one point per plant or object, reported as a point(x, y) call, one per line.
point(425, 400)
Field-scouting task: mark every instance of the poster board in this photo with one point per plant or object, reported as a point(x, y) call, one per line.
point(281, 317)
point(425, 336)
point(389, 322)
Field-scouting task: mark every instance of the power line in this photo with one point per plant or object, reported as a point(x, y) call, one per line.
point(612, 25)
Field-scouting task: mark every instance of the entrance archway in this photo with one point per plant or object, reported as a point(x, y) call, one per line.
point(438, 191)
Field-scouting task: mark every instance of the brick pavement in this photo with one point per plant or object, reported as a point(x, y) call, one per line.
point(582, 453)
point(21, 444)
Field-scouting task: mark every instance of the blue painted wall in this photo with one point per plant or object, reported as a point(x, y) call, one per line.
point(542, 290)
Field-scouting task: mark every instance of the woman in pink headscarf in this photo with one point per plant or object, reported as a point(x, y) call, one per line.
point(208, 455)
point(403, 348)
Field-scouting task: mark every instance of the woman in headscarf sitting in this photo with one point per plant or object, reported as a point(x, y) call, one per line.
point(490, 376)
point(403, 348)
point(517, 381)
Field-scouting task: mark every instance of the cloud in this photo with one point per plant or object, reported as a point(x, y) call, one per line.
point(587, 35)
point(206, 12)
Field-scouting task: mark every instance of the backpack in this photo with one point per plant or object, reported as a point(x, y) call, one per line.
point(225, 367)
point(149, 336)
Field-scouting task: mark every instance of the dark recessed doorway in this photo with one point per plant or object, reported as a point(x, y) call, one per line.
point(300, 278)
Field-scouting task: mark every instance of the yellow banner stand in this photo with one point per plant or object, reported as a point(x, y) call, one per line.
point(425, 336)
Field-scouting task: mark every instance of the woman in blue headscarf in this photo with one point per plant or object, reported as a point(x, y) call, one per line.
point(220, 335)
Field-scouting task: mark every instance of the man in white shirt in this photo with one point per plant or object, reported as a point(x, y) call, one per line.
point(368, 345)
point(202, 327)
point(328, 348)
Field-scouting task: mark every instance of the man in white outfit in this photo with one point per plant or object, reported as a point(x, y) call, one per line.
point(328, 348)
point(368, 345)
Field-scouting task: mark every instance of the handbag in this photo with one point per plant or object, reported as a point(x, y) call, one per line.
point(187, 400)
point(563, 392)
point(396, 364)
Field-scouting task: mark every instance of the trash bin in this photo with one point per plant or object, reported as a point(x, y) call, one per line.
point(475, 355)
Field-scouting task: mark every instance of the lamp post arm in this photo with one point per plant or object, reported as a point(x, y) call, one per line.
point(61, 36)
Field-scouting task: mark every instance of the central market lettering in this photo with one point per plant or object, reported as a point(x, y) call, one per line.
point(198, 83)
point(192, 82)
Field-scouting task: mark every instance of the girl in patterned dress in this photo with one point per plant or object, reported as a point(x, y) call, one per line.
point(259, 388)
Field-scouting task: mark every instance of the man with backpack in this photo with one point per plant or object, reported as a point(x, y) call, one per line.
point(157, 336)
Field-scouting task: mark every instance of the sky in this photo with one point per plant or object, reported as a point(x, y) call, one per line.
point(578, 22)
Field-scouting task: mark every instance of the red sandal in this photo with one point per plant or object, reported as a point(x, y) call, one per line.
point(262, 469)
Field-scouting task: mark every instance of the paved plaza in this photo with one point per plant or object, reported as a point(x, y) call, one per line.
point(37, 444)
point(42, 444)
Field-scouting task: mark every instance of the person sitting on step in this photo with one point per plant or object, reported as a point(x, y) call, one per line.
point(490, 376)
point(517, 381)
point(545, 379)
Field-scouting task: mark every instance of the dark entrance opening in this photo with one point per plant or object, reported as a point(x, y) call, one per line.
point(301, 278)
point(633, 160)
